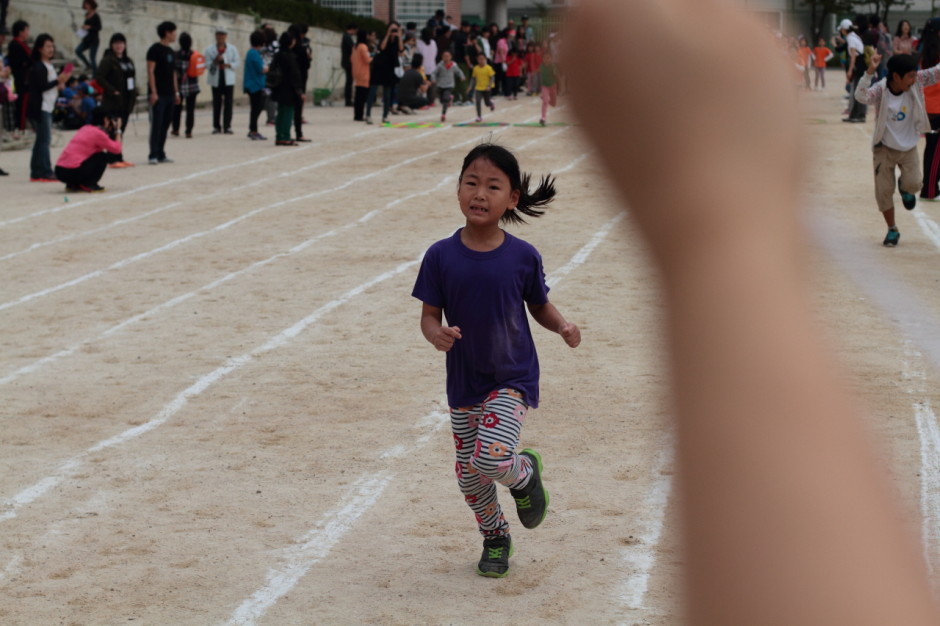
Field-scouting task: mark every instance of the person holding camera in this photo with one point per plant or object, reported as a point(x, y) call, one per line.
point(383, 70)
point(117, 76)
point(84, 160)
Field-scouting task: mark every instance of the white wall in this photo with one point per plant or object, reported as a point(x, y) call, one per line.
point(138, 20)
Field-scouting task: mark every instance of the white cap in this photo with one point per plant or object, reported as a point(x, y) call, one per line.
point(846, 24)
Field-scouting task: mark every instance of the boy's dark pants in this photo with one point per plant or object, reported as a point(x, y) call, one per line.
point(931, 187)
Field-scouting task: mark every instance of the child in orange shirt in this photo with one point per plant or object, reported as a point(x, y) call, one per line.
point(821, 56)
point(804, 53)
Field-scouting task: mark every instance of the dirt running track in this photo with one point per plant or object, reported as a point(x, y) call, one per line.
point(218, 407)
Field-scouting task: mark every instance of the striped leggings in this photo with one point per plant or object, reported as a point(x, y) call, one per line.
point(486, 436)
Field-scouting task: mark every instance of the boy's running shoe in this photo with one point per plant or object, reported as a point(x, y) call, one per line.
point(495, 560)
point(892, 237)
point(532, 500)
point(91, 188)
point(908, 199)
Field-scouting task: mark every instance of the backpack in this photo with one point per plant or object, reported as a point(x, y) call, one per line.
point(197, 65)
point(274, 76)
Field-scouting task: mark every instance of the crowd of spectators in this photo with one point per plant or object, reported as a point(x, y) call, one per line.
point(411, 68)
point(415, 68)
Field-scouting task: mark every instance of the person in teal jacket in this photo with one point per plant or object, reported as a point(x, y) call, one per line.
point(253, 81)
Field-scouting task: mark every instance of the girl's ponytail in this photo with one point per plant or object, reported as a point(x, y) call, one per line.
point(532, 204)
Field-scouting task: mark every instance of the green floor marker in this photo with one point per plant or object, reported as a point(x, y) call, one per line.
point(414, 125)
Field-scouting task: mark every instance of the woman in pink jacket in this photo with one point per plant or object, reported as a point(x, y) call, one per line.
point(500, 57)
point(85, 158)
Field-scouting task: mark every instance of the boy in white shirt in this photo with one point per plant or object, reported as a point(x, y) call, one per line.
point(900, 118)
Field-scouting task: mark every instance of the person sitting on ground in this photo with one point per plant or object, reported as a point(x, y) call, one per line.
point(77, 105)
point(412, 88)
point(84, 160)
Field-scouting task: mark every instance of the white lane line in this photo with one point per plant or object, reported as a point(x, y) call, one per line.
point(586, 250)
point(921, 330)
point(46, 360)
point(37, 245)
point(41, 362)
point(123, 194)
point(639, 558)
point(12, 567)
point(69, 467)
point(194, 175)
point(877, 278)
point(930, 227)
point(295, 561)
point(197, 199)
point(335, 524)
point(929, 434)
point(219, 228)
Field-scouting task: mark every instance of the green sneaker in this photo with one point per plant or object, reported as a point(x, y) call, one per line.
point(495, 560)
point(892, 237)
point(532, 500)
point(909, 200)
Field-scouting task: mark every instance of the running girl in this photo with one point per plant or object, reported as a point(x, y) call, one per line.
point(484, 78)
point(549, 80)
point(480, 278)
point(445, 76)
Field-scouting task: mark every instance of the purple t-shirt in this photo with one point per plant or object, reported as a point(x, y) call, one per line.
point(484, 294)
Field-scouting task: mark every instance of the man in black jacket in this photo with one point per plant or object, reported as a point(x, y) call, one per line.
point(19, 58)
point(304, 55)
point(346, 52)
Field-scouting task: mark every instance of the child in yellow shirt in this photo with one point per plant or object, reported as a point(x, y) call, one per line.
point(483, 78)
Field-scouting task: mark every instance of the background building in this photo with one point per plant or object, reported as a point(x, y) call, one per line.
point(480, 11)
point(797, 16)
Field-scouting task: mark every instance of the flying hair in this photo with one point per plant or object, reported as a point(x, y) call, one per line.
point(531, 203)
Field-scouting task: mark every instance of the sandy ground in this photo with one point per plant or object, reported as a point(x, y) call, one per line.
point(218, 406)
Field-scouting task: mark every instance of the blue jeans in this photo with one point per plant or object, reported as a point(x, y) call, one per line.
point(161, 114)
point(40, 166)
point(84, 45)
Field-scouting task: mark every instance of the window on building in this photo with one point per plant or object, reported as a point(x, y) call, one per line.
point(419, 11)
point(356, 7)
